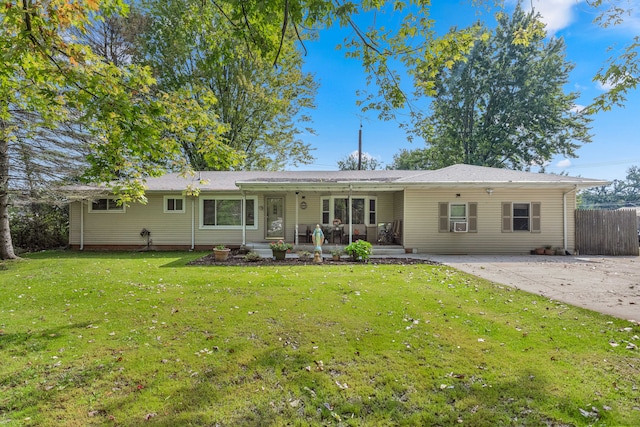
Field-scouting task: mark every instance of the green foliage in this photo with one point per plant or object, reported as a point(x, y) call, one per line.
point(360, 250)
point(504, 105)
point(135, 338)
point(191, 46)
point(39, 226)
point(350, 162)
point(280, 245)
point(619, 194)
point(417, 159)
point(252, 257)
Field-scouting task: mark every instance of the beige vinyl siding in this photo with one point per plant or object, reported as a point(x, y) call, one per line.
point(74, 223)
point(422, 221)
point(124, 228)
point(386, 207)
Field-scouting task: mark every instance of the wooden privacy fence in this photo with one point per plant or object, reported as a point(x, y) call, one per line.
point(602, 232)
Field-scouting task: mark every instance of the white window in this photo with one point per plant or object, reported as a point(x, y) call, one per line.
point(106, 205)
point(173, 204)
point(521, 216)
point(336, 208)
point(457, 217)
point(226, 213)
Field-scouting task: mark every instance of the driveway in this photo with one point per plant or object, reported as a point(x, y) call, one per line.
point(610, 285)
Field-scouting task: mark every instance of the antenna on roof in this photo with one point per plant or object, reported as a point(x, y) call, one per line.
point(360, 147)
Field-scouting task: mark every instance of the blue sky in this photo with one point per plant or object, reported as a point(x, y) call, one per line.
point(616, 133)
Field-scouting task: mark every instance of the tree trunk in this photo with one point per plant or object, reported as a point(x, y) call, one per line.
point(6, 245)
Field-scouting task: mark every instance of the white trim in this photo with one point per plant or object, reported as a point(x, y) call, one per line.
point(174, 211)
point(351, 197)
point(513, 217)
point(453, 220)
point(117, 210)
point(242, 201)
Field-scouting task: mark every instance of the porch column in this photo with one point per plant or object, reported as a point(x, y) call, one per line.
point(350, 210)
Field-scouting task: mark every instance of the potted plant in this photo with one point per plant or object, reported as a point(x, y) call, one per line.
point(280, 249)
point(360, 250)
point(221, 252)
point(335, 254)
point(548, 250)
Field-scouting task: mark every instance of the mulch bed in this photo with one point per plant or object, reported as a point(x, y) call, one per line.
point(239, 260)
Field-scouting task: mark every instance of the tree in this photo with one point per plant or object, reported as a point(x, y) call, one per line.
point(619, 194)
point(350, 162)
point(46, 78)
point(190, 44)
point(504, 106)
point(417, 159)
point(621, 71)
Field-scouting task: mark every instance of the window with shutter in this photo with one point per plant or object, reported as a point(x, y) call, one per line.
point(521, 217)
point(443, 217)
point(506, 217)
point(473, 218)
point(535, 217)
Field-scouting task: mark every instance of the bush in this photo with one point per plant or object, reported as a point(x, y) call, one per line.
point(252, 257)
point(360, 250)
point(39, 226)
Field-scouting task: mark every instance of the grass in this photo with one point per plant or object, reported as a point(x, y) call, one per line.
point(131, 338)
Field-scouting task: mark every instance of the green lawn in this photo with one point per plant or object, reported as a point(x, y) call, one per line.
point(132, 338)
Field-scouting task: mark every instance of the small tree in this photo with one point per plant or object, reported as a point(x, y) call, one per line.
point(350, 162)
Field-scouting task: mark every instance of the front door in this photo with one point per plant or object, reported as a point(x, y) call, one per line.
point(275, 218)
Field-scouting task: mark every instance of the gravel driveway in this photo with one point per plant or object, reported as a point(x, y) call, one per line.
point(610, 285)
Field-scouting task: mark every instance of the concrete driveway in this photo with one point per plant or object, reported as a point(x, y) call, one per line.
point(610, 285)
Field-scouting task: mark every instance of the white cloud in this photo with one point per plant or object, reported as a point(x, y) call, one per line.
point(556, 14)
point(606, 86)
point(564, 163)
point(365, 155)
point(577, 108)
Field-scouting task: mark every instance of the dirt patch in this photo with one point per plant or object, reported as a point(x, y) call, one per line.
point(236, 259)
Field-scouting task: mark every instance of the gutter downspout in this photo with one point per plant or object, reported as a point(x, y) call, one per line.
point(244, 219)
point(564, 217)
point(193, 223)
point(81, 225)
point(296, 227)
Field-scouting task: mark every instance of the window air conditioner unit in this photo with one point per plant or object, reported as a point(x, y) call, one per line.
point(459, 227)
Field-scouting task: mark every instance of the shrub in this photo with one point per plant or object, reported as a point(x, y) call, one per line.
point(360, 250)
point(280, 246)
point(252, 257)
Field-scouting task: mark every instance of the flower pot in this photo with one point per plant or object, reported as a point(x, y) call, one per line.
point(279, 255)
point(221, 254)
point(549, 252)
point(539, 251)
point(335, 257)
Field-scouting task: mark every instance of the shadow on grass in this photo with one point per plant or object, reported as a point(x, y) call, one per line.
point(277, 387)
point(25, 389)
point(21, 339)
point(175, 258)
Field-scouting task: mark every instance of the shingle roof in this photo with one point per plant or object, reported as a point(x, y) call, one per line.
point(452, 175)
